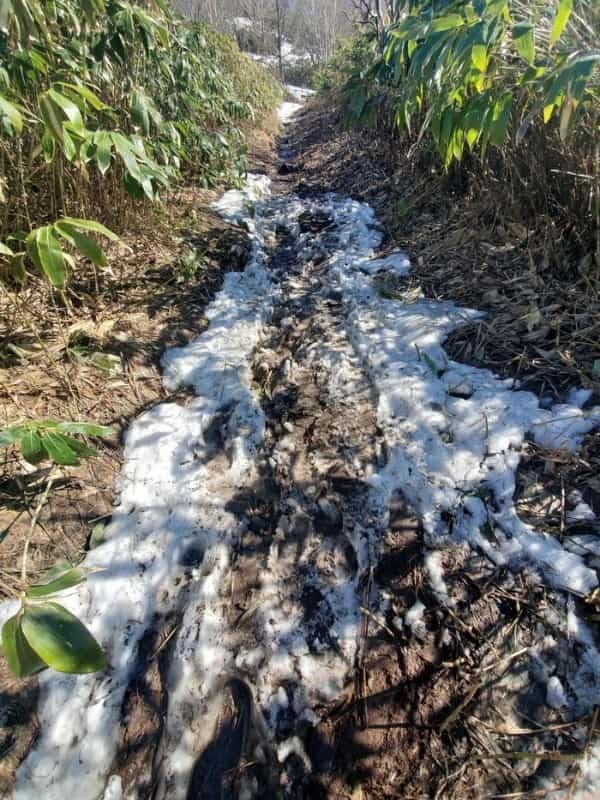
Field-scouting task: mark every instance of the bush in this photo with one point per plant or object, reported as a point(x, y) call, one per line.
point(105, 103)
point(513, 84)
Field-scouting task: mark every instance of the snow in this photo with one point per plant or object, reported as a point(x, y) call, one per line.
point(287, 111)
point(414, 619)
point(454, 434)
point(555, 693)
point(237, 204)
point(435, 571)
point(299, 93)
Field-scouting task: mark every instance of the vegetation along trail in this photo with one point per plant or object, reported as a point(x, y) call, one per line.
point(337, 348)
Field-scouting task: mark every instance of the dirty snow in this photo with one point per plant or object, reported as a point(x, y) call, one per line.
point(454, 435)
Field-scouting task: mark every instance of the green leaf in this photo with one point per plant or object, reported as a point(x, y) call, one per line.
point(83, 243)
point(61, 640)
point(103, 142)
point(90, 225)
point(10, 113)
point(5, 250)
point(43, 248)
point(51, 117)
point(98, 535)
point(479, 57)
point(125, 149)
point(563, 12)
point(58, 449)
point(48, 145)
point(20, 657)
point(31, 447)
point(446, 23)
point(82, 449)
point(69, 109)
point(66, 579)
point(140, 115)
point(524, 42)
point(85, 428)
point(10, 436)
point(500, 119)
point(87, 94)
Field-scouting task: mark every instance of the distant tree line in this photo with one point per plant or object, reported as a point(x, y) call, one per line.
point(269, 27)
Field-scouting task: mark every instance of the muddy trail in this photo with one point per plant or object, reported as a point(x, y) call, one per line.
point(315, 583)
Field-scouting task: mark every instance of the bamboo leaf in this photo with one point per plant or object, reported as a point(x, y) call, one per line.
point(31, 447)
point(66, 579)
point(89, 225)
point(85, 428)
point(60, 640)
point(9, 113)
point(523, 38)
point(561, 18)
point(43, 247)
point(83, 243)
point(20, 657)
point(103, 142)
point(58, 449)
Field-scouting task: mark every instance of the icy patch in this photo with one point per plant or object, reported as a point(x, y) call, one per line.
point(454, 434)
point(287, 111)
point(398, 263)
point(435, 571)
point(414, 620)
point(238, 205)
point(299, 93)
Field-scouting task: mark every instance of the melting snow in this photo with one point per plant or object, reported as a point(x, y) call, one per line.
point(454, 435)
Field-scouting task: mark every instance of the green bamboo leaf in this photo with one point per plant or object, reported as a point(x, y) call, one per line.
point(48, 145)
point(501, 119)
point(65, 579)
point(61, 640)
point(86, 93)
point(85, 428)
point(103, 142)
point(69, 146)
point(43, 248)
point(479, 57)
point(69, 109)
point(82, 449)
point(522, 34)
point(58, 449)
point(20, 657)
point(561, 18)
point(31, 447)
point(446, 23)
point(10, 436)
point(51, 117)
point(11, 114)
point(140, 114)
point(89, 225)
point(83, 243)
point(124, 148)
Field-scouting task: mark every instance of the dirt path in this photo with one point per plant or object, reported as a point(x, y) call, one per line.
point(295, 592)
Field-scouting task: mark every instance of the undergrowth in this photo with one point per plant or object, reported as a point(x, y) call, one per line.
point(499, 89)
